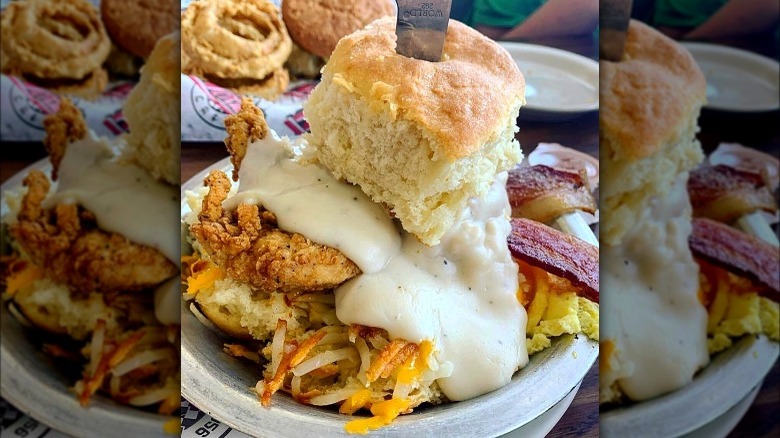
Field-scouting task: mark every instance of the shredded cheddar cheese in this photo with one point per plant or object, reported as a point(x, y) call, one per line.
point(384, 413)
point(416, 364)
point(23, 274)
point(204, 279)
point(172, 426)
point(355, 402)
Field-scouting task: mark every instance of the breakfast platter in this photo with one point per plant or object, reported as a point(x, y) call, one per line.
point(68, 330)
point(319, 218)
point(531, 395)
point(687, 364)
point(38, 387)
point(229, 313)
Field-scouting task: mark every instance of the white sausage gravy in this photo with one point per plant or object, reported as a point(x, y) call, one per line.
point(460, 294)
point(649, 292)
point(125, 200)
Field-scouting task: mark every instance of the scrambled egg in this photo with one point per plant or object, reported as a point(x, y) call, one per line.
point(554, 309)
point(735, 308)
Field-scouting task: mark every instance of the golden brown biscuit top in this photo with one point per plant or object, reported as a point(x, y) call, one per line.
point(463, 101)
point(647, 95)
point(318, 25)
point(137, 25)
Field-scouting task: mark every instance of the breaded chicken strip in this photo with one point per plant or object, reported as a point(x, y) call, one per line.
point(248, 245)
point(63, 127)
point(65, 240)
point(244, 127)
point(67, 244)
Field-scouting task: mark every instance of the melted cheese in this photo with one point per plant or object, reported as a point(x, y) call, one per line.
point(459, 294)
point(650, 308)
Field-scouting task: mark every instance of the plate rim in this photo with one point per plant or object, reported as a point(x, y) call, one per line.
point(193, 391)
point(694, 47)
point(751, 358)
point(587, 63)
point(16, 380)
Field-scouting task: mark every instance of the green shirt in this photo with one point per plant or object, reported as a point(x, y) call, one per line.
point(494, 13)
point(685, 13)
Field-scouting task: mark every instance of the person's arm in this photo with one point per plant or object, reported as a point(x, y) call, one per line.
point(554, 18)
point(738, 17)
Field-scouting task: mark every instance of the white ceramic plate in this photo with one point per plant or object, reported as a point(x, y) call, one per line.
point(559, 84)
point(737, 80)
point(709, 401)
point(220, 385)
point(33, 383)
point(723, 425)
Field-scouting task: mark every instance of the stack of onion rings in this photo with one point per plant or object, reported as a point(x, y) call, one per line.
point(59, 44)
point(236, 44)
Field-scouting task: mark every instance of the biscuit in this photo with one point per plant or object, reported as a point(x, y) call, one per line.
point(317, 25)
point(153, 112)
point(135, 26)
point(421, 137)
point(649, 107)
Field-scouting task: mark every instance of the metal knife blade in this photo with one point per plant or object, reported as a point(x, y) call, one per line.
point(614, 16)
point(421, 28)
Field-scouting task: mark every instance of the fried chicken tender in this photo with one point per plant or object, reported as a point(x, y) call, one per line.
point(248, 245)
point(247, 125)
point(67, 244)
point(63, 127)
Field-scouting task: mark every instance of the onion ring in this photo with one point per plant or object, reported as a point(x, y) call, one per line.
point(233, 39)
point(53, 39)
point(269, 87)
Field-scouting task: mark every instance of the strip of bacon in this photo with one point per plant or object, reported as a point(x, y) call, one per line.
point(542, 193)
point(724, 193)
point(557, 253)
point(737, 252)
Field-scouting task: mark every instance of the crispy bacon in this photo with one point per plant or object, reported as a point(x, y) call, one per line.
point(724, 193)
point(739, 253)
point(543, 193)
point(558, 253)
